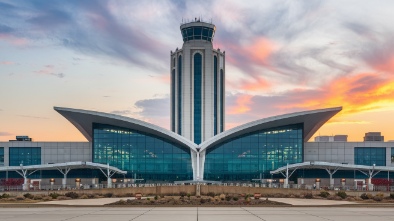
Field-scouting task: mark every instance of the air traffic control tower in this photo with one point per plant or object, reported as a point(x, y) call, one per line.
point(197, 84)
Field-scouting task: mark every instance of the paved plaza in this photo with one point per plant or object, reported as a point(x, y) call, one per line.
point(289, 201)
point(195, 214)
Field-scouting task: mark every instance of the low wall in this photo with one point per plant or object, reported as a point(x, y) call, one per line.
point(204, 190)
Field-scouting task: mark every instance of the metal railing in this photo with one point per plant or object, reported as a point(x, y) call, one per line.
point(236, 184)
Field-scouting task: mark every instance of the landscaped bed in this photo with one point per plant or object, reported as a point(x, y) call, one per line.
point(198, 201)
point(209, 198)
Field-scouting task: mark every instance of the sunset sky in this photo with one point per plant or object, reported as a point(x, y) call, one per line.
point(114, 57)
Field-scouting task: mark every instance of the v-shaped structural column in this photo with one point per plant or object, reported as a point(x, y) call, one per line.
point(64, 172)
point(371, 173)
point(109, 173)
point(25, 173)
point(331, 172)
point(287, 175)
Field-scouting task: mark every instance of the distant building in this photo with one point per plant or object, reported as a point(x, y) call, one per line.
point(373, 136)
point(335, 138)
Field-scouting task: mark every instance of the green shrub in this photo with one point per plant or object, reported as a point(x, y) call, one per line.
point(37, 197)
point(342, 194)
point(5, 196)
point(182, 193)
point(211, 194)
point(128, 194)
point(72, 195)
point(54, 195)
point(28, 195)
point(235, 198)
point(148, 198)
point(364, 196)
point(188, 195)
point(392, 195)
point(324, 194)
point(228, 198)
point(108, 195)
point(378, 197)
point(308, 196)
point(156, 197)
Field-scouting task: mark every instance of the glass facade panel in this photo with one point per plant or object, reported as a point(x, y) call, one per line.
point(392, 154)
point(197, 97)
point(215, 98)
point(370, 155)
point(143, 155)
point(197, 33)
point(25, 155)
point(1, 156)
point(221, 100)
point(248, 156)
point(173, 100)
point(180, 95)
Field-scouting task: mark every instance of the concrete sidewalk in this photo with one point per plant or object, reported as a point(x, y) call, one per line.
point(86, 202)
point(310, 202)
point(290, 201)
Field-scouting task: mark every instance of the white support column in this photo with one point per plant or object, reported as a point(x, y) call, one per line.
point(109, 180)
point(24, 173)
point(109, 173)
point(65, 172)
point(371, 173)
point(198, 166)
point(331, 173)
point(286, 183)
point(287, 175)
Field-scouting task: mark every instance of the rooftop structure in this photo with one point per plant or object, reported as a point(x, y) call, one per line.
point(373, 136)
point(335, 138)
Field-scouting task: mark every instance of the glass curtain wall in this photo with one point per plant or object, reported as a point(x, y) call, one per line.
point(370, 155)
point(25, 155)
point(198, 33)
point(246, 157)
point(179, 95)
point(197, 97)
point(221, 100)
point(392, 155)
point(1, 156)
point(173, 100)
point(144, 156)
point(215, 94)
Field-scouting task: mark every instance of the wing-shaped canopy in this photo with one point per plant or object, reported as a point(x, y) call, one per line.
point(83, 120)
point(312, 121)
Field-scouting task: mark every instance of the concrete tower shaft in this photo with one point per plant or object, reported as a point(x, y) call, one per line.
point(197, 84)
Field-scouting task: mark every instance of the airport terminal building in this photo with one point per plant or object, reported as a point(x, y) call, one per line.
point(197, 148)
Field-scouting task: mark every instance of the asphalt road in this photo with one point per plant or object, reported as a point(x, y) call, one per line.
point(196, 214)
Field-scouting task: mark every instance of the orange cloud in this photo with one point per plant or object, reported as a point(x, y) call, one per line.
point(260, 50)
point(356, 93)
point(255, 85)
point(387, 65)
point(6, 62)
point(242, 104)
point(14, 40)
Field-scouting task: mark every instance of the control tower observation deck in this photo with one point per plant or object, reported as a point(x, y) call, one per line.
point(197, 84)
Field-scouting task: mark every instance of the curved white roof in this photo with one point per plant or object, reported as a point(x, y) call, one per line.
point(312, 121)
point(72, 165)
point(83, 120)
point(328, 165)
